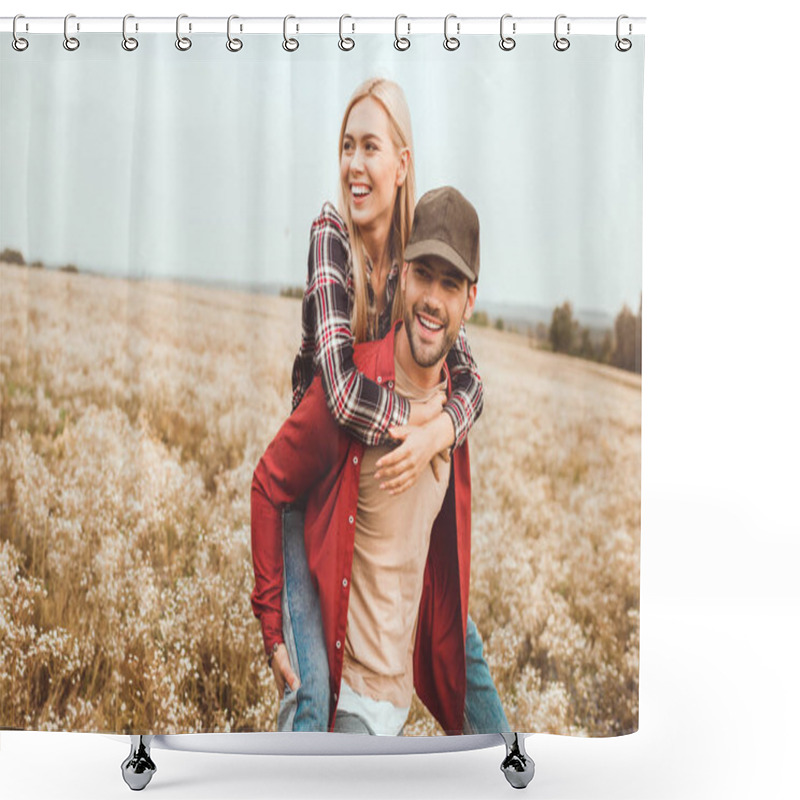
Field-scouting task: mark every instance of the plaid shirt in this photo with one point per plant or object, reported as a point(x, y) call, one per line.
point(365, 408)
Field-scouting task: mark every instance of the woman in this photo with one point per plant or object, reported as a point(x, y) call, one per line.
point(354, 260)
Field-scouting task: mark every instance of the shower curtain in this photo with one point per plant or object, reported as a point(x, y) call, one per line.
point(156, 219)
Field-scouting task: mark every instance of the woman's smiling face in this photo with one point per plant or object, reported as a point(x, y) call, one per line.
point(371, 167)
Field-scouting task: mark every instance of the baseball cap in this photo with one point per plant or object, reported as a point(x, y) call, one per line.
point(446, 227)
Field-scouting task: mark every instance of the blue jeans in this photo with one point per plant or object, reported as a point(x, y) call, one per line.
point(306, 708)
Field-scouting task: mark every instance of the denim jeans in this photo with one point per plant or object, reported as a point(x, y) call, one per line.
point(306, 708)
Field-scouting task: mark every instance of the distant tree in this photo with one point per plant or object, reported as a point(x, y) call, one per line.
point(628, 341)
point(499, 324)
point(606, 350)
point(296, 292)
point(586, 348)
point(563, 334)
point(37, 265)
point(12, 257)
point(541, 331)
point(639, 332)
point(480, 318)
point(68, 268)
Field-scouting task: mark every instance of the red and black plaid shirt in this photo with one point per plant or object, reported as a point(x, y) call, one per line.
point(365, 408)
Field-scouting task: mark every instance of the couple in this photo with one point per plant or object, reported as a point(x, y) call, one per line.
point(362, 596)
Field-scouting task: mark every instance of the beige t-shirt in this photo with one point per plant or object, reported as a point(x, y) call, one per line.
point(391, 547)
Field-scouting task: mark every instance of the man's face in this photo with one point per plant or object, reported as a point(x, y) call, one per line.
point(437, 299)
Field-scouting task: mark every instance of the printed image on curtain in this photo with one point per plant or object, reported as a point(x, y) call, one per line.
point(321, 386)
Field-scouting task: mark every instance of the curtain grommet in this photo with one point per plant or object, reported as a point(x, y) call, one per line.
point(129, 43)
point(19, 43)
point(233, 45)
point(451, 43)
point(289, 44)
point(345, 42)
point(507, 43)
point(401, 42)
point(561, 43)
point(71, 43)
point(183, 43)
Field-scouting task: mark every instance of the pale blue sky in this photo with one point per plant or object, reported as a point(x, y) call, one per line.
point(207, 164)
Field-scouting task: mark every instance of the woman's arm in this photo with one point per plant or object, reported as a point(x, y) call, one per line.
point(399, 469)
point(466, 400)
point(364, 408)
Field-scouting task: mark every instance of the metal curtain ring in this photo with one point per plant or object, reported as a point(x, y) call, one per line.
point(561, 43)
point(128, 42)
point(290, 45)
point(345, 43)
point(451, 42)
point(623, 45)
point(507, 42)
point(18, 43)
point(234, 45)
point(401, 43)
point(182, 42)
point(70, 42)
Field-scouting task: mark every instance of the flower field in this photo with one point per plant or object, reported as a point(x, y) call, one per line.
point(132, 416)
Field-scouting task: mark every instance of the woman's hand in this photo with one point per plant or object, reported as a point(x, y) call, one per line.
point(282, 670)
point(422, 413)
point(400, 469)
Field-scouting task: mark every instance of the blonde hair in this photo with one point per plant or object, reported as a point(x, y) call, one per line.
point(393, 101)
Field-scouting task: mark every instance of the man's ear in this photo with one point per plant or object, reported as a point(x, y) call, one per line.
point(470, 306)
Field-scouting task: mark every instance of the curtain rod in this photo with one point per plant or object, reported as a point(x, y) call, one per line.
point(330, 25)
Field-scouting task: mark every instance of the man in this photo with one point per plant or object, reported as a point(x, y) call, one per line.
point(391, 571)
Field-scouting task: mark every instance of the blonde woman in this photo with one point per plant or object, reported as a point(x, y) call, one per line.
point(352, 295)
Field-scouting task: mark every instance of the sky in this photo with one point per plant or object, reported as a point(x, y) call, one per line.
point(211, 165)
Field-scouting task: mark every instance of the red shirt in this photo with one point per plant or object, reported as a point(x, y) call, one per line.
point(312, 455)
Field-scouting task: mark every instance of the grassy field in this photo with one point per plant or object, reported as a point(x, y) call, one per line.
point(132, 416)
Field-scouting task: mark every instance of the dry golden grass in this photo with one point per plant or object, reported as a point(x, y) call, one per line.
point(132, 416)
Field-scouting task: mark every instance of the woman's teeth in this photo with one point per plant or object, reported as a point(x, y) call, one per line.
point(360, 191)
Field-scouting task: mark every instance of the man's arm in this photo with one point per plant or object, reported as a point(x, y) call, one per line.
point(301, 453)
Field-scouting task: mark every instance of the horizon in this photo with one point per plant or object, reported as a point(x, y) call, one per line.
point(275, 288)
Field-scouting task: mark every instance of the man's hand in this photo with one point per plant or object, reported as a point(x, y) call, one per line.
point(282, 670)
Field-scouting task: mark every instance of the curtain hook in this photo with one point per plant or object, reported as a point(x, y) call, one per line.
point(507, 42)
point(18, 43)
point(623, 45)
point(290, 45)
point(234, 45)
point(70, 42)
point(561, 43)
point(451, 42)
point(401, 43)
point(345, 43)
point(128, 42)
point(182, 42)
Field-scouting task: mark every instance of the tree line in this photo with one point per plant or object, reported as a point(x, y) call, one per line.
point(621, 346)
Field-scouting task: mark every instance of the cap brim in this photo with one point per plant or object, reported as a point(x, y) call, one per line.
point(434, 248)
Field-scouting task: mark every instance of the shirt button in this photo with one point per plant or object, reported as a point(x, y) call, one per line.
point(380, 380)
point(344, 582)
point(390, 384)
point(350, 519)
point(338, 645)
point(355, 459)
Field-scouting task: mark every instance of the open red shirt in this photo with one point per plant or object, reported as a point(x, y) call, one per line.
point(312, 456)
